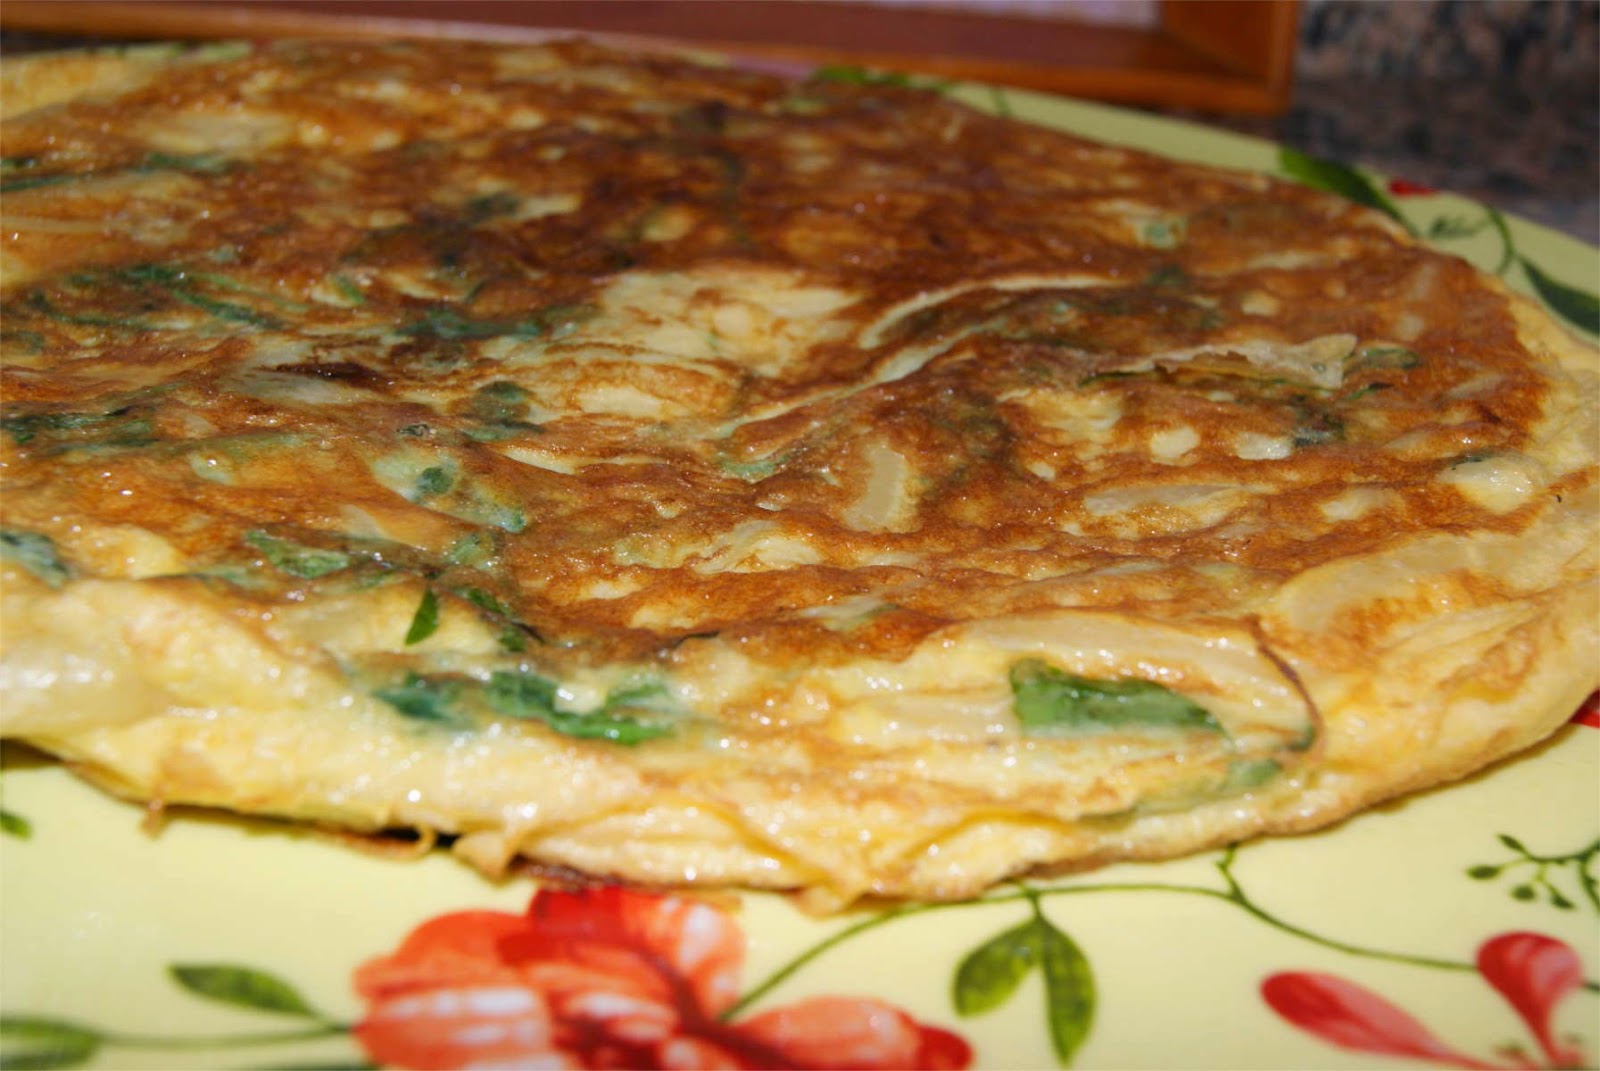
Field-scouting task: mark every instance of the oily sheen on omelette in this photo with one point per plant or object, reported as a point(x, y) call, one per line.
point(679, 474)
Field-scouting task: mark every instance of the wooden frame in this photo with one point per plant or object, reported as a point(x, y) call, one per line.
point(1224, 55)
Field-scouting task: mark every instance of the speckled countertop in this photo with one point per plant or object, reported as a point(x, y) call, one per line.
point(1497, 100)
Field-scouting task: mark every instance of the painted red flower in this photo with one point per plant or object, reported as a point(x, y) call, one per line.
point(1406, 188)
point(1533, 972)
point(1589, 713)
point(612, 978)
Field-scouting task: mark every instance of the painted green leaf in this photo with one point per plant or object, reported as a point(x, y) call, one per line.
point(1578, 307)
point(1336, 178)
point(15, 825)
point(35, 553)
point(242, 986)
point(29, 1043)
point(1047, 699)
point(1069, 991)
point(425, 622)
point(352, 1065)
point(867, 76)
point(861, 76)
point(988, 975)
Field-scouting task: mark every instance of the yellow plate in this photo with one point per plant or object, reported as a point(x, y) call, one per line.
point(1461, 927)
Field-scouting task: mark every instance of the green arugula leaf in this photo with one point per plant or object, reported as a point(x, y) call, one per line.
point(1047, 699)
point(241, 986)
point(1578, 307)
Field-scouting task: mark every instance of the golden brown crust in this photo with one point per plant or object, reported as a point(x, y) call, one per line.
point(356, 394)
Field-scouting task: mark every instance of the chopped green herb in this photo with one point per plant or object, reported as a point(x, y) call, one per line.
point(521, 694)
point(1317, 428)
point(498, 433)
point(123, 426)
point(349, 289)
point(490, 205)
point(203, 163)
point(500, 407)
point(22, 427)
point(1167, 232)
point(152, 282)
point(1050, 700)
point(528, 695)
point(474, 548)
point(750, 471)
point(1363, 391)
point(1168, 275)
point(648, 694)
point(223, 310)
point(448, 323)
point(513, 633)
point(506, 518)
point(484, 601)
point(425, 622)
point(36, 553)
point(1245, 774)
point(432, 482)
point(423, 699)
point(500, 400)
point(150, 163)
point(1385, 357)
point(32, 341)
point(295, 559)
point(45, 307)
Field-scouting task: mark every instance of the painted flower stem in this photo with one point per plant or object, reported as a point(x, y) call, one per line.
point(1508, 245)
point(1233, 893)
point(224, 1041)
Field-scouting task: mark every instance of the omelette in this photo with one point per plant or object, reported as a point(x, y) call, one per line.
point(657, 471)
